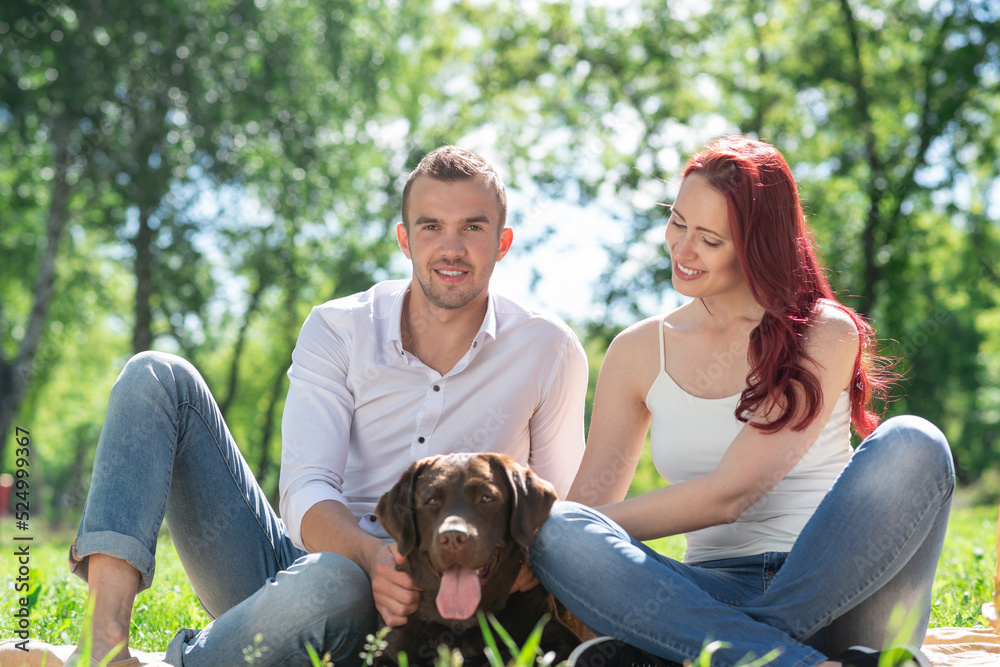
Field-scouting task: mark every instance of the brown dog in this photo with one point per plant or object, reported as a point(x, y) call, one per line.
point(464, 523)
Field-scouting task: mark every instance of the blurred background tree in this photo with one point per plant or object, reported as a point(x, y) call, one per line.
point(194, 176)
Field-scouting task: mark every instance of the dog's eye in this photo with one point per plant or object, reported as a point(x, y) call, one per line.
point(486, 498)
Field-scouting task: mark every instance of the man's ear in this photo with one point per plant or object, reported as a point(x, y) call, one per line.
point(506, 238)
point(403, 239)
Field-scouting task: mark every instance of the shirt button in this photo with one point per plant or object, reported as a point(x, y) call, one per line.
point(437, 388)
point(420, 440)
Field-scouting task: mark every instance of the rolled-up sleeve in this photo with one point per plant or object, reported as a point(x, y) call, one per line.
point(557, 429)
point(316, 424)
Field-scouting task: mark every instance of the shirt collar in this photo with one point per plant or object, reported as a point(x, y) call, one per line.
point(489, 326)
point(395, 335)
point(487, 330)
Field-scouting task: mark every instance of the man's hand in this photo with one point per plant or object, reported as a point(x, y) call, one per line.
point(526, 580)
point(395, 595)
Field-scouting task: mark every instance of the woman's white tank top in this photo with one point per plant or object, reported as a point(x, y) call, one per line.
point(689, 435)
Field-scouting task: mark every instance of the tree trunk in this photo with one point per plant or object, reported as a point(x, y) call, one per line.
point(15, 376)
point(142, 334)
point(277, 386)
point(876, 179)
point(234, 366)
point(267, 433)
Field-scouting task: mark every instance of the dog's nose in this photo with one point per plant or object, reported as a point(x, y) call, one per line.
point(453, 533)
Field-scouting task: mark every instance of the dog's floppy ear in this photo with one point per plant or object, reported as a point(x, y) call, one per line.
point(531, 498)
point(397, 511)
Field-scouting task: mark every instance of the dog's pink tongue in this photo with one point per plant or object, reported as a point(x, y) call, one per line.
point(459, 594)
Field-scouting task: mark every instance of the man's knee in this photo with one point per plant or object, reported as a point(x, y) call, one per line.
point(155, 366)
point(157, 378)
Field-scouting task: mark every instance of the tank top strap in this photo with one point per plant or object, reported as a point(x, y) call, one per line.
point(662, 365)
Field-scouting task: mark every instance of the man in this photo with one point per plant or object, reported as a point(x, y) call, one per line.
point(406, 369)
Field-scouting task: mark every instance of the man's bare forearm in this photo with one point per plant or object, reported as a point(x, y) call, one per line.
point(330, 526)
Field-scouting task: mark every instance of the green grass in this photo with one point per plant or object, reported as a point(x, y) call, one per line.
point(58, 599)
point(964, 580)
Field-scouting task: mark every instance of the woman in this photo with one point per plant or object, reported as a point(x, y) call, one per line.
point(797, 548)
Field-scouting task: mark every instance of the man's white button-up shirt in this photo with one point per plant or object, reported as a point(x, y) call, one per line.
point(360, 409)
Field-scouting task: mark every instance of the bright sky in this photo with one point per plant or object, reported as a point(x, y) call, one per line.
point(567, 264)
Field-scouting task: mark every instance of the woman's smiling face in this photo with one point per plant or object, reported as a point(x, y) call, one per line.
point(701, 249)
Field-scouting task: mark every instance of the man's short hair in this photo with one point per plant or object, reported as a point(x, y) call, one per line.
point(450, 164)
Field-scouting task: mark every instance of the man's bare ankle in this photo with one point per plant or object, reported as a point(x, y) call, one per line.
point(110, 639)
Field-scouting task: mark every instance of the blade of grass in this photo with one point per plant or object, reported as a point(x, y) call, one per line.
point(765, 659)
point(707, 651)
point(504, 635)
point(531, 649)
point(491, 651)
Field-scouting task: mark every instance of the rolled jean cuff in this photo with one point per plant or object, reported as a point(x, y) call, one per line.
point(123, 547)
point(175, 649)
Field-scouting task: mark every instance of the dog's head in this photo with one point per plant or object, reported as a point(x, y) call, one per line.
point(463, 521)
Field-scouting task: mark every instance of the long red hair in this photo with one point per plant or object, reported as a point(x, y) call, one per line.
point(778, 258)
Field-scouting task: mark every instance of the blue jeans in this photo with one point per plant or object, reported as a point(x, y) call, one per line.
point(872, 545)
point(165, 452)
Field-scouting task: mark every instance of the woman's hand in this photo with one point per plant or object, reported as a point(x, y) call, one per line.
point(526, 580)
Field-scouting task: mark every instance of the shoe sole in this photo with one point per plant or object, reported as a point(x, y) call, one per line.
point(579, 650)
